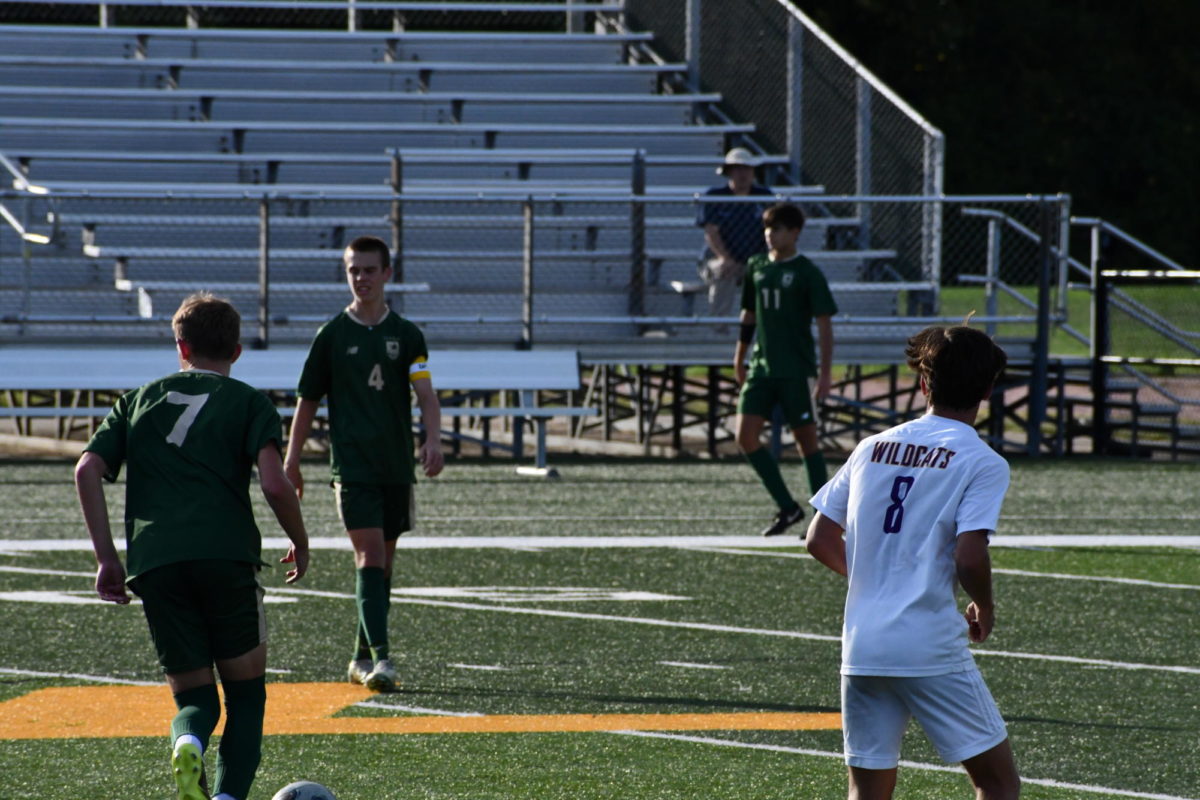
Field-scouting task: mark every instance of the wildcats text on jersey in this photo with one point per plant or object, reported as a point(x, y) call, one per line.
point(912, 455)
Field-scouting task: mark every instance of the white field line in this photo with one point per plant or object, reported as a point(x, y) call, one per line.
point(481, 667)
point(705, 626)
point(1101, 790)
point(1078, 787)
point(77, 677)
point(15, 546)
point(692, 665)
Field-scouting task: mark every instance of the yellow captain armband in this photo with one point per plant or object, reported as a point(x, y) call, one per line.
point(418, 369)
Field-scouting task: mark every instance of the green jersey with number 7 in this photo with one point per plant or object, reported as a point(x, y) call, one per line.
point(189, 441)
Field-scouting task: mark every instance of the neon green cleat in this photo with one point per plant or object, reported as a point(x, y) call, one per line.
point(187, 764)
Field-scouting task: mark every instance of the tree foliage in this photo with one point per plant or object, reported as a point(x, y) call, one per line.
point(1096, 98)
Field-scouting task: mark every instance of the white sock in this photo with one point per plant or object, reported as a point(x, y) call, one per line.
point(188, 738)
point(224, 796)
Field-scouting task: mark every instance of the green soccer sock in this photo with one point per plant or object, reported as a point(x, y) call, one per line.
point(768, 472)
point(199, 711)
point(371, 592)
point(241, 742)
point(362, 647)
point(817, 473)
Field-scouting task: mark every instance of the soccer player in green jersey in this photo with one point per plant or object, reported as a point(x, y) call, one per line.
point(365, 360)
point(782, 294)
point(189, 441)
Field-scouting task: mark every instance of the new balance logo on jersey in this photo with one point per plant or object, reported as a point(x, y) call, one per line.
point(352, 350)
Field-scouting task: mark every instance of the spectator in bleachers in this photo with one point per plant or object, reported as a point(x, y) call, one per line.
point(732, 231)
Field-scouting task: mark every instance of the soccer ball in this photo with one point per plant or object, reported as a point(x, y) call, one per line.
point(304, 790)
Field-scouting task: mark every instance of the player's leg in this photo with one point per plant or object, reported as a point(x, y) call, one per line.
point(361, 508)
point(871, 784)
point(801, 412)
point(399, 516)
point(239, 636)
point(873, 723)
point(960, 717)
point(172, 609)
point(754, 405)
point(994, 773)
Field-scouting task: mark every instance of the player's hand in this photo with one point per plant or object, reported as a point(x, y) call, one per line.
point(824, 387)
point(432, 460)
point(110, 583)
point(299, 558)
point(979, 622)
point(297, 480)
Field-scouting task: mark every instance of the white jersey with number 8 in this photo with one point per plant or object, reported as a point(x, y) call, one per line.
point(903, 497)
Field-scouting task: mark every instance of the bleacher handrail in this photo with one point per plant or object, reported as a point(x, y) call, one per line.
point(353, 8)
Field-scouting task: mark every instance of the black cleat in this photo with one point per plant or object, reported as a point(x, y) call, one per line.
point(784, 520)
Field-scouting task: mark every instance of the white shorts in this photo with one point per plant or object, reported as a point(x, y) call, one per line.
point(955, 710)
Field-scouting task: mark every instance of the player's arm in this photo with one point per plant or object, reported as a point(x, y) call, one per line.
point(283, 500)
point(712, 238)
point(110, 572)
point(825, 356)
point(825, 543)
point(745, 338)
point(431, 417)
point(974, 567)
point(302, 421)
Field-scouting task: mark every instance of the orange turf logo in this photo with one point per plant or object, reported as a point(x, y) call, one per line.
point(314, 708)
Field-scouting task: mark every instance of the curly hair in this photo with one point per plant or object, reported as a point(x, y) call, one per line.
point(960, 364)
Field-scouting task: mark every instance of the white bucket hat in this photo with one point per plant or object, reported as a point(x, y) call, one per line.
point(738, 157)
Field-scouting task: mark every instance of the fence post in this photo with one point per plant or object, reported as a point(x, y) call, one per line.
point(993, 274)
point(862, 157)
point(396, 217)
point(692, 44)
point(264, 274)
point(1038, 383)
point(526, 342)
point(1100, 342)
point(102, 10)
point(637, 243)
point(795, 98)
point(351, 16)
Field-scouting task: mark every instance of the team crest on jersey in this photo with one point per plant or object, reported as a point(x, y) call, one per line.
point(393, 348)
point(788, 277)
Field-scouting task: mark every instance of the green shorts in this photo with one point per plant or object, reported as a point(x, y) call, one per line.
point(386, 505)
point(760, 395)
point(202, 611)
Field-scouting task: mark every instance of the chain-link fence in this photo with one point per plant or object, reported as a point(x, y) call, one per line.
point(603, 271)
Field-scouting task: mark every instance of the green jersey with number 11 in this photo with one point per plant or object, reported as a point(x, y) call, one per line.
point(189, 441)
point(366, 371)
point(785, 296)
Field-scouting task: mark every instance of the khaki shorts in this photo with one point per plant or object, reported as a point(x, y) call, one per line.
point(365, 505)
point(202, 611)
point(760, 395)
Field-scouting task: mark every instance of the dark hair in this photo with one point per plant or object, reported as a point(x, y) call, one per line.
point(786, 214)
point(959, 364)
point(372, 244)
point(209, 324)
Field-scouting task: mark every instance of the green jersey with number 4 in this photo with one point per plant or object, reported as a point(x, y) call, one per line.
point(189, 441)
point(366, 371)
point(785, 296)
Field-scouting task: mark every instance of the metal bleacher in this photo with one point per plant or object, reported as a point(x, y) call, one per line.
point(147, 147)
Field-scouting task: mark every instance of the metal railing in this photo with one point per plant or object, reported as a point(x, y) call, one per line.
point(573, 12)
